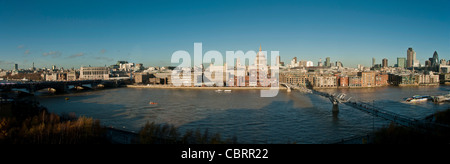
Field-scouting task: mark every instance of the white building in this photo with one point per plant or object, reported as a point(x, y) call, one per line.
point(50, 76)
point(213, 75)
point(428, 79)
point(294, 62)
point(126, 67)
point(444, 68)
point(309, 64)
point(94, 73)
point(260, 60)
point(278, 61)
point(325, 81)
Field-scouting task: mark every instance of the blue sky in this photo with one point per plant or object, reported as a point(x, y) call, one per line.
point(75, 33)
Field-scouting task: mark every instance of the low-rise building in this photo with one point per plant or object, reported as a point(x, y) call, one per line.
point(445, 78)
point(297, 78)
point(326, 81)
point(403, 79)
point(141, 78)
point(164, 78)
point(73, 75)
point(4, 73)
point(429, 79)
point(444, 68)
point(49, 76)
point(367, 79)
point(354, 81)
point(381, 80)
point(342, 81)
point(94, 73)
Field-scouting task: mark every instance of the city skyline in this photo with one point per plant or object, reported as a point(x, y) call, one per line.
point(77, 33)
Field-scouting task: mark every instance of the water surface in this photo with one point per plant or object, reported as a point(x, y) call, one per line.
point(288, 117)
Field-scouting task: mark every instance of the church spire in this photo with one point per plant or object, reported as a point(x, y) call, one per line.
point(260, 48)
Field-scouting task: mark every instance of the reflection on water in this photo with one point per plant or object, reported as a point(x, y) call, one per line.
point(288, 117)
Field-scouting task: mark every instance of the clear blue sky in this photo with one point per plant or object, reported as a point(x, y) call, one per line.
point(83, 32)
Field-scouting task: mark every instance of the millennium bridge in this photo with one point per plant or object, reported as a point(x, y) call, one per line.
point(371, 109)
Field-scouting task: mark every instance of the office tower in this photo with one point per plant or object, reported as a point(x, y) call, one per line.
point(339, 64)
point(373, 62)
point(411, 57)
point(401, 62)
point(278, 62)
point(435, 61)
point(384, 63)
point(416, 63)
point(294, 62)
point(428, 63)
point(327, 62)
point(16, 67)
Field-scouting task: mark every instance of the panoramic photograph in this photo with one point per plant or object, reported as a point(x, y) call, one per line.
point(224, 72)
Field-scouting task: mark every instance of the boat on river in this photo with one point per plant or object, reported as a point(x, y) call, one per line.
point(418, 98)
point(441, 98)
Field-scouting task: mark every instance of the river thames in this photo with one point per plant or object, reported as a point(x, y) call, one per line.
point(287, 118)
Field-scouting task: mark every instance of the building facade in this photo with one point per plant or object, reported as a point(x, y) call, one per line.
point(354, 81)
point(381, 80)
point(429, 79)
point(94, 73)
point(403, 79)
point(297, 78)
point(73, 75)
point(141, 78)
point(411, 58)
point(401, 62)
point(384, 63)
point(326, 81)
point(444, 78)
point(327, 62)
point(342, 81)
point(367, 79)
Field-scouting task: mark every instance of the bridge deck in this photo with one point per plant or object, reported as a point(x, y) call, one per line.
point(378, 112)
point(37, 85)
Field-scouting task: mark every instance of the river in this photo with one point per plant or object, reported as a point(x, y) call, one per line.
point(286, 118)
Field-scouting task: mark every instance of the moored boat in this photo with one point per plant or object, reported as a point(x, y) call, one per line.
point(418, 98)
point(442, 98)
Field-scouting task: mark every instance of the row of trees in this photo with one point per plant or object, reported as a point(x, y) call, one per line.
point(153, 133)
point(31, 124)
